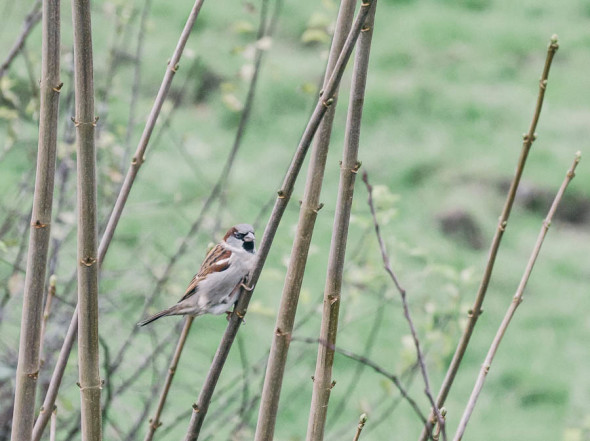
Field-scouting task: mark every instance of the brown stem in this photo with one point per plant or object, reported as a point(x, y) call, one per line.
point(310, 206)
point(39, 234)
point(516, 300)
point(85, 122)
point(155, 420)
point(349, 166)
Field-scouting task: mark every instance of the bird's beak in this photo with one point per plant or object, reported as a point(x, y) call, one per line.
point(249, 237)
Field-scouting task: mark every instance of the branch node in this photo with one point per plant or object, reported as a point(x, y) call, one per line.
point(319, 207)
point(83, 123)
point(313, 378)
point(196, 408)
point(88, 261)
point(366, 4)
point(332, 384)
point(33, 375)
point(38, 224)
point(546, 224)
point(57, 88)
point(366, 28)
point(502, 225)
point(280, 333)
point(281, 194)
point(471, 313)
point(174, 68)
point(327, 103)
point(241, 315)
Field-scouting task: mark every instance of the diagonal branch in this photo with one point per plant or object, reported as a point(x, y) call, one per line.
point(476, 310)
point(284, 194)
point(516, 300)
point(31, 20)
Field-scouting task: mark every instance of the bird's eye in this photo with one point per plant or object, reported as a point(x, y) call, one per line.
point(239, 235)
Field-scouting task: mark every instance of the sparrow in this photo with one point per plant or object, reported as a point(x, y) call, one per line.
point(215, 288)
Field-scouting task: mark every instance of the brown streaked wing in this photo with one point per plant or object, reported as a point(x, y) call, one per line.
point(217, 254)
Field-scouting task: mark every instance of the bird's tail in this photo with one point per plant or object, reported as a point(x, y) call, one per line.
point(169, 311)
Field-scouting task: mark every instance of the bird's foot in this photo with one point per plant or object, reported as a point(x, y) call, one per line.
point(246, 287)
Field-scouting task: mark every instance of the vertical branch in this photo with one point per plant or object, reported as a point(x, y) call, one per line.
point(53, 428)
point(85, 122)
point(475, 310)
point(310, 207)
point(516, 300)
point(284, 194)
point(39, 235)
point(46, 311)
point(56, 377)
point(407, 315)
point(323, 384)
point(155, 421)
point(49, 401)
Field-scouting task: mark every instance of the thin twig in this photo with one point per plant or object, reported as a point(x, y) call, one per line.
point(359, 428)
point(155, 420)
point(407, 315)
point(284, 194)
point(367, 362)
point(476, 310)
point(32, 18)
point(136, 81)
point(46, 311)
point(516, 300)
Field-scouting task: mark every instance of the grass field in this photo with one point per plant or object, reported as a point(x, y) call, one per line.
point(452, 87)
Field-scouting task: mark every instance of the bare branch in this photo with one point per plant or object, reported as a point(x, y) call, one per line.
point(122, 199)
point(31, 20)
point(155, 420)
point(39, 235)
point(516, 300)
point(475, 310)
point(367, 362)
point(349, 166)
point(85, 122)
point(407, 315)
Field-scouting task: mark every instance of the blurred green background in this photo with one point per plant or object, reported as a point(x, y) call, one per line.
point(452, 86)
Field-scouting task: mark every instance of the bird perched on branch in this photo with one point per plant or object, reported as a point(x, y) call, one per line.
point(215, 288)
